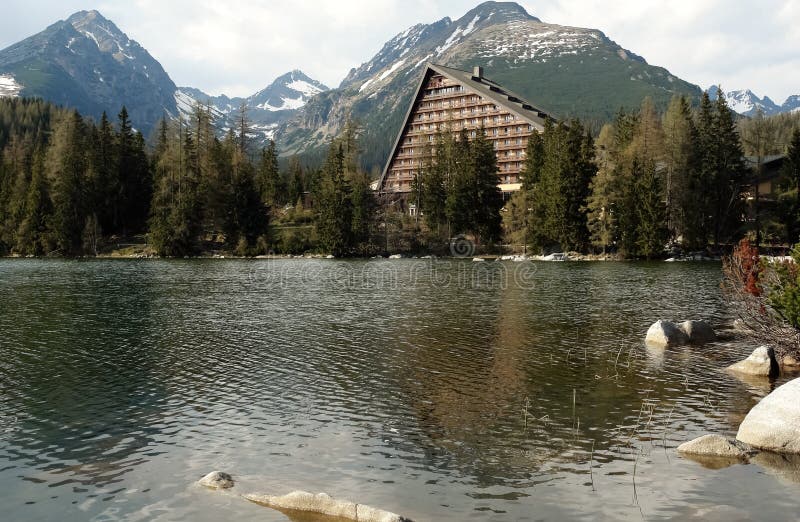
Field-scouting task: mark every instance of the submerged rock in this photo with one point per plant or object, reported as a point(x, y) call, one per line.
point(774, 423)
point(698, 332)
point(666, 334)
point(761, 362)
point(790, 363)
point(324, 504)
point(716, 446)
point(217, 480)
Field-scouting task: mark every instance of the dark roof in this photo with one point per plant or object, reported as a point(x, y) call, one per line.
point(480, 86)
point(765, 160)
point(488, 89)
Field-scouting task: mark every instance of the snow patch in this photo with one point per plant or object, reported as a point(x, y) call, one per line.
point(9, 86)
point(391, 69)
point(451, 40)
point(471, 26)
point(304, 87)
point(420, 62)
point(365, 84)
point(91, 36)
point(287, 105)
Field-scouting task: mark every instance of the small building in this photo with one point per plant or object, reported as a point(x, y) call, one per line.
point(769, 176)
point(459, 100)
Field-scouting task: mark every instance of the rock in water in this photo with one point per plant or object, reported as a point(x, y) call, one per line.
point(324, 504)
point(761, 362)
point(698, 332)
point(665, 333)
point(715, 446)
point(217, 480)
point(774, 423)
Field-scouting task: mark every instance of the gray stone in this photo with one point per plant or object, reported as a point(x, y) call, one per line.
point(698, 332)
point(715, 446)
point(324, 504)
point(217, 480)
point(761, 362)
point(665, 333)
point(774, 423)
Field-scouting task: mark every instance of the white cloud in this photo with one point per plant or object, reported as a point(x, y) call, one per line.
point(239, 46)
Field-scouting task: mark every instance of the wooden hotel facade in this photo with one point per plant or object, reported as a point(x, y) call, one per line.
point(455, 99)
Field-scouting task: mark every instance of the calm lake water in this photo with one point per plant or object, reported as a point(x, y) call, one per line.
point(442, 390)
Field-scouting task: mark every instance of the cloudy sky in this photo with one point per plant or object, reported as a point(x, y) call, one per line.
point(237, 47)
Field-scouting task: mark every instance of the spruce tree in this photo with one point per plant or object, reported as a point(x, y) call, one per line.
point(268, 180)
point(333, 210)
point(791, 175)
point(488, 198)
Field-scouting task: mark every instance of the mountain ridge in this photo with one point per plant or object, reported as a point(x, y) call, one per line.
point(747, 103)
point(571, 71)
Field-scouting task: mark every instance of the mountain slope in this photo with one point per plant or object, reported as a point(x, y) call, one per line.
point(567, 70)
point(86, 62)
point(266, 109)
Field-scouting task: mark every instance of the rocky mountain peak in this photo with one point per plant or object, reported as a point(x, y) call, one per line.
point(499, 12)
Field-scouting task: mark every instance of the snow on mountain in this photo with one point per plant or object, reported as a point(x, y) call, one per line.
point(266, 109)
point(88, 63)
point(567, 70)
point(9, 86)
point(747, 103)
point(792, 104)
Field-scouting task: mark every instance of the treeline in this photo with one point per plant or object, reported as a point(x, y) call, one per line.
point(69, 184)
point(649, 180)
point(456, 189)
point(63, 179)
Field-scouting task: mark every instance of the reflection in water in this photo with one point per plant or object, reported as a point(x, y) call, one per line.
point(446, 390)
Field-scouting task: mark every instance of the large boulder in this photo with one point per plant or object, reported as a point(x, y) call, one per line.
point(774, 423)
point(761, 362)
point(698, 332)
point(665, 334)
point(217, 480)
point(715, 446)
point(324, 504)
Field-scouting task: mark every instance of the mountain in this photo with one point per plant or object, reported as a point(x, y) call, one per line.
point(87, 63)
point(747, 103)
point(792, 104)
point(569, 71)
point(266, 109)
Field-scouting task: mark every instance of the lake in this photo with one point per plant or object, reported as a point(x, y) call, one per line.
point(444, 390)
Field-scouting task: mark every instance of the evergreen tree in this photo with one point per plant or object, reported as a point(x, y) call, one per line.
point(268, 180)
point(31, 236)
point(651, 230)
point(488, 200)
point(66, 164)
point(729, 175)
point(791, 175)
point(295, 182)
point(333, 210)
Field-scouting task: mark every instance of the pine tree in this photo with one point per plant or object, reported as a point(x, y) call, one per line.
point(333, 211)
point(682, 184)
point(66, 164)
point(651, 230)
point(729, 176)
point(488, 200)
point(31, 236)
point(791, 174)
point(268, 179)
